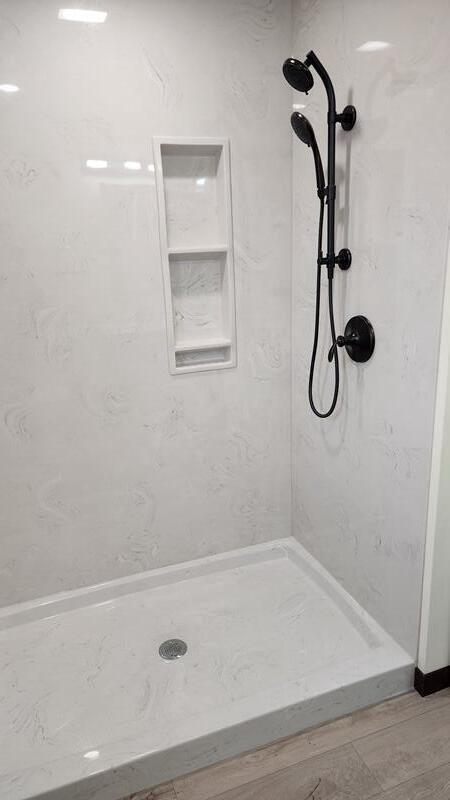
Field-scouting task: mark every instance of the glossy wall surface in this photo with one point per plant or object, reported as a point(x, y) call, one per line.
point(361, 478)
point(109, 465)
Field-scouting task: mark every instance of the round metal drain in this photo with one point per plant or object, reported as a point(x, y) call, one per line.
point(172, 649)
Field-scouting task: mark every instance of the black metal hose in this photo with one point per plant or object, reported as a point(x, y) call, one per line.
point(317, 324)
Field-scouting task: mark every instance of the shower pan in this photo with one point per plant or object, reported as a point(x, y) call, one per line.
point(359, 337)
point(121, 686)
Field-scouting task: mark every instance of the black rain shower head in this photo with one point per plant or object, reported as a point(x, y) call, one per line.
point(304, 130)
point(298, 75)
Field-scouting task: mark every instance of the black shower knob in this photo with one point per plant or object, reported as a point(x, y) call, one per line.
point(358, 339)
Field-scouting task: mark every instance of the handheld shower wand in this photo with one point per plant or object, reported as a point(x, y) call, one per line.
point(359, 338)
point(304, 130)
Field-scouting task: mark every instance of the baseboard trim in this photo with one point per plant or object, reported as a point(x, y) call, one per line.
point(430, 682)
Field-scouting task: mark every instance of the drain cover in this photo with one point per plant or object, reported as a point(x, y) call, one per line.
point(172, 649)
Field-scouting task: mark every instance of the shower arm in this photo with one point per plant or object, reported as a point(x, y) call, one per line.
point(347, 120)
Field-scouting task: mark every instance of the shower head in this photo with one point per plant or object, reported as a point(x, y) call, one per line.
point(298, 75)
point(304, 130)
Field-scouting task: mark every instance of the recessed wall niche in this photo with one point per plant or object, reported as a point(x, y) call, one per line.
point(194, 201)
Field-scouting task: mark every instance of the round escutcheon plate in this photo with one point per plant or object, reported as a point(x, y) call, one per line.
point(362, 334)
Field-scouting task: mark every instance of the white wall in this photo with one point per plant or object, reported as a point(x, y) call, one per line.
point(361, 477)
point(108, 464)
point(434, 643)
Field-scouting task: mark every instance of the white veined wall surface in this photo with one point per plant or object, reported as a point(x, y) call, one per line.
point(109, 465)
point(361, 477)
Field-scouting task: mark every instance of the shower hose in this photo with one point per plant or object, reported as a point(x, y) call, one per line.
point(334, 350)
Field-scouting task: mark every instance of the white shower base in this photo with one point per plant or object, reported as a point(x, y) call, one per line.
point(89, 710)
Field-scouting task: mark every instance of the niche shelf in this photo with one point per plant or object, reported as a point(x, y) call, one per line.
point(194, 202)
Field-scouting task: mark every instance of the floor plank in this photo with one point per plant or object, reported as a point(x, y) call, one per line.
point(337, 775)
point(219, 778)
point(434, 785)
point(408, 749)
point(163, 792)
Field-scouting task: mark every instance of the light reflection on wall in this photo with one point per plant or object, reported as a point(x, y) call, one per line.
point(9, 88)
point(82, 15)
point(96, 163)
point(373, 46)
point(123, 171)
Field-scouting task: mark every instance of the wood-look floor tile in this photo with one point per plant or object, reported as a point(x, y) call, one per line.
point(237, 771)
point(337, 775)
point(411, 748)
point(434, 785)
point(163, 792)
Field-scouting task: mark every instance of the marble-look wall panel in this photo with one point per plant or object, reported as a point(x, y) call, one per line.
point(361, 477)
point(109, 465)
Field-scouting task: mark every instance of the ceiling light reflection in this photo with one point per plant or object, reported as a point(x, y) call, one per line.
point(121, 171)
point(81, 15)
point(9, 88)
point(201, 181)
point(372, 47)
point(96, 163)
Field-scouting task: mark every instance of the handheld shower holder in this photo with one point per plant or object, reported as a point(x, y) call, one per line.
point(343, 259)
